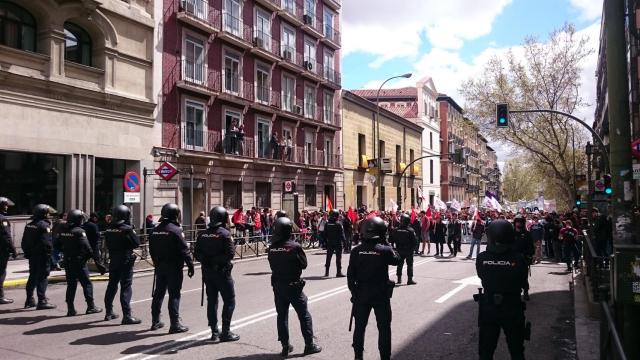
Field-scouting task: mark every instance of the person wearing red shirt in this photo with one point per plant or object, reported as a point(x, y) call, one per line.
point(239, 220)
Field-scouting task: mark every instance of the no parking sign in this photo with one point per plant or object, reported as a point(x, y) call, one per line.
point(131, 182)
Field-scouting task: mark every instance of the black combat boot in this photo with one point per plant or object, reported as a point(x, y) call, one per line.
point(29, 303)
point(399, 279)
point(177, 327)
point(311, 347)
point(130, 320)
point(45, 305)
point(92, 309)
point(227, 335)
point(215, 334)
point(156, 324)
point(71, 310)
point(526, 295)
point(326, 272)
point(286, 349)
point(110, 315)
point(339, 274)
point(411, 282)
point(358, 356)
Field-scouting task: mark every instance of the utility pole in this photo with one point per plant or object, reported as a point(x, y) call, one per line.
point(626, 244)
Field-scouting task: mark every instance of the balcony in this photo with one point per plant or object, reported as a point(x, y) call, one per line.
point(236, 90)
point(312, 24)
point(265, 46)
point(473, 189)
point(331, 118)
point(265, 99)
point(273, 5)
point(292, 11)
point(197, 77)
point(455, 180)
point(334, 4)
point(331, 37)
point(332, 77)
point(236, 32)
point(312, 69)
point(317, 158)
point(291, 59)
point(199, 14)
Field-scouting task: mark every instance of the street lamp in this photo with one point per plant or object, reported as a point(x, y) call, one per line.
point(377, 138)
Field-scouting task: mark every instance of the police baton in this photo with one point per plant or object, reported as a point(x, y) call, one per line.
point(202, 293)
point(153, 286)
point(352, 316)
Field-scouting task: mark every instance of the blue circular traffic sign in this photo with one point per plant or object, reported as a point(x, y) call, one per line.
point(131, 182)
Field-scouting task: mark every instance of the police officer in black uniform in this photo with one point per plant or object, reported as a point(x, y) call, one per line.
point(6, 245)
point(37, 247)
point(214, 250)
point(169, 252)
point(120, 239)
point(523, 244)
point(72, 241)
point(368, 280)
point(334, 235)
point(287, 260)
point(503, 272)
point(405, 241)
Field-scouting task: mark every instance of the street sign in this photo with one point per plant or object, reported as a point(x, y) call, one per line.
point(636, 171)
point(131, 182)
point(289, 186)
point(599, 185)
point(166, 171)
point(131, 197)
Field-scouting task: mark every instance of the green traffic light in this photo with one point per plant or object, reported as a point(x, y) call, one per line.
point(608, 191)
point(503, 120)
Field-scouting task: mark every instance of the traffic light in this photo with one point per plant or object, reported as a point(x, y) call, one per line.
point(578, 201)
point(502, 115)
point(607, 185)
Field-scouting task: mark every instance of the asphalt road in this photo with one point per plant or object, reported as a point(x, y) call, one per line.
point(435, 319)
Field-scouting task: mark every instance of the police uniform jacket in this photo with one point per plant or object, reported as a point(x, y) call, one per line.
point(36, 239)
point(93, 234)
point(334, 233)
point(73, 242)
point(168, 246)
point(6, 244)
point(120, 240)
point(502, 273)
point(405, 240)
point(287, 260)
point(368, 272)
point(523, 243)
point(214, 248)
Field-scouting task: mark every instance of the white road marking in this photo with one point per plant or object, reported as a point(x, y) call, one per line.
point(186, 341)
point(472, 280)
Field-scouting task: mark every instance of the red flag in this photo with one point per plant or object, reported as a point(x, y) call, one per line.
point(414, 215)
point(428, 214)
point(352, 215)
point(329, 204)
point(437, 215)
point(476, 215)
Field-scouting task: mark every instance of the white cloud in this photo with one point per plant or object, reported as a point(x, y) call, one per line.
point(388, 31)
point(589, 9)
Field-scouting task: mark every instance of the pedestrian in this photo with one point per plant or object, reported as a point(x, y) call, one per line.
point(200, 222)
point(454, 230)
point(72, 241)
point(334, 236)
point(438, 233)
point(6, 246)
point(38, 247)
point(121, 239)
point(149, 224)
point(425, 227)
point(537, 235)
point(289, 147)
point(370, 287)
point(569, 236)
point(523, 244)
point(404, 239)
point(238, 219)
point(93, 234)
point(477, 231)
point(169, 252)
point(602, 232)
point(347, 225)
point(503, 273)
point(56, 255)
point(287, 260)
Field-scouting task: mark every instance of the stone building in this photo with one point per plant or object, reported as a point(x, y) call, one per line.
point(400, 142)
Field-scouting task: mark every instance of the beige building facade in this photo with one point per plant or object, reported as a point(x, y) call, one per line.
point(77, 100)
point(400, 142)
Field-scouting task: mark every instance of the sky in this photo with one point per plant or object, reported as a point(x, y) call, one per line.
point(451, 40)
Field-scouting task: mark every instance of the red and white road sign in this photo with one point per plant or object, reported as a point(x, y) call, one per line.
point(166, 171)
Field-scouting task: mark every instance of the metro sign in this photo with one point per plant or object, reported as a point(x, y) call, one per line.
point(166, 171)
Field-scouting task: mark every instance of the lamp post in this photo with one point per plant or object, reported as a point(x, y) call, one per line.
point(377, 138)
point(589, 152)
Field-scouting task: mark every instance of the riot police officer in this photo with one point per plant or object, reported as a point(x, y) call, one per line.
point(6, 245)
point(287, 260)
point(169, 252)
point(523, 244)
point(503, 272)
point(72, 241)
point(405, 241)
point(214, 250)
point(334, 235)
point(37, 247)
point(120, 239)
point(368, 280)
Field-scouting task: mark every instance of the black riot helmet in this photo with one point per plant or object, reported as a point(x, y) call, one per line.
point(170, 212)
point(500, 236)
point(218, 217)
point(121, 214)
point(4, 201)
point(519, 218)
point(373, 229)
point(282, 229)
point(281, 213)
point(333, 215)
point(405, 220)
point(42, 211)
point(76, 217)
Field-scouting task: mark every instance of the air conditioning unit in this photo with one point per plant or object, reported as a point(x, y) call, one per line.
point(386, 166)
point(297, 109)
point(308, 20)
point(308, 65)
point(287, 55)
point(258, 42)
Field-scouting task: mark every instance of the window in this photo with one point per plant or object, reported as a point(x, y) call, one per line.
point(288, 44)
point(328, 24)
point(290, 6)
point(362, 147)
point(264, 135)
point(310, 195)
point(193, 125)
point(194, 65)
point(359, 196)
point(308, 147)
point(288, 92)
point(309, 12)
point(328, 66)
point(263, 29)
point(431, 171)
point(29, 179)
point(232, 194)
point(17, 27)
point(197, 8)
point(231, 17)
point(383, 199)
point(328, 108)
point(77, 44)
point(411, 158)
point(231, 72)
point(263, 85)
point(309, 102)
point(399, 198)
point(381, 151)
point(398, 156)
point(328, 152)
point(263, 195)
point(309, 54)
point(430, 140)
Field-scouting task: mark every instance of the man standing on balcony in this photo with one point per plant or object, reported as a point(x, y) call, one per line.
point(274, 145)
point(289, 147)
